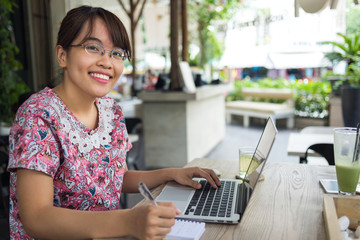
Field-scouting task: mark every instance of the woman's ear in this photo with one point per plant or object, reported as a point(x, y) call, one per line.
point(61, 56)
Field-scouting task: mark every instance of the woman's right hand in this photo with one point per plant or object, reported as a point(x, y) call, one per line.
point(153, 222)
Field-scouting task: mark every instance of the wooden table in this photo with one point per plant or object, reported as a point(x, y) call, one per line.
point(299, 142)
point(288, 204)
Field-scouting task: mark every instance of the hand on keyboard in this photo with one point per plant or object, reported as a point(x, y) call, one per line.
point(184, 176)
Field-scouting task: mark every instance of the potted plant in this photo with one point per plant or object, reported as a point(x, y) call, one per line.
point(11, 86)
point(348, 51)
point(350, 95)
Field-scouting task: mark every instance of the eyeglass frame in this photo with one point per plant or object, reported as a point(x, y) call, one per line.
point(123, 58)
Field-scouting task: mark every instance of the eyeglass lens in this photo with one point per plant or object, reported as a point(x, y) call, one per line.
point(97, 49)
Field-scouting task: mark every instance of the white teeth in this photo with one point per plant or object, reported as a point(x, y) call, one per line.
point(99, 75)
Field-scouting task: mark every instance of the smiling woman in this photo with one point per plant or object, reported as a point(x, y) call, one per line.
point(88, 71)
point(68, 146)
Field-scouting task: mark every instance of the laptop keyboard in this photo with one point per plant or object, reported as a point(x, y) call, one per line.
point(209, 201)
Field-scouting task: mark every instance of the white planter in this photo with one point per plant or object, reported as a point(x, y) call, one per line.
point(4, 129)
point(180, 126)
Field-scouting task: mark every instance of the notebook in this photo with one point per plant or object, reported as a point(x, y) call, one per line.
point(227, 203)
point(186, 230)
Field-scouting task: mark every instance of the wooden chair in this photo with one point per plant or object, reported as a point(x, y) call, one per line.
point(134, 126)
point(326, 150)
point(134, 156)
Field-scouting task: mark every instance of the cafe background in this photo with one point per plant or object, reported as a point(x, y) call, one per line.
point(253, 40)
point(234, 44)
point(248, 43)
point(227, 45)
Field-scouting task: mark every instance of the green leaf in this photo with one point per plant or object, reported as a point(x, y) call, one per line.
point(11, 86)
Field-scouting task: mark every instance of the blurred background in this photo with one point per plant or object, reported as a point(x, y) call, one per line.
point(308, 47)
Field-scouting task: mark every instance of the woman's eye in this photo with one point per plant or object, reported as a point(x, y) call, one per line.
point(93, 48)
point(118, 54)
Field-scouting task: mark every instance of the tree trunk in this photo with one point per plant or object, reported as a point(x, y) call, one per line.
point(133, 23)
point(133, 28)
point(174, 46)
point(202, 45)
point(185, 46)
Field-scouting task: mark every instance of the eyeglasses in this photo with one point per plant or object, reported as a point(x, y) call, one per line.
point(95, 49)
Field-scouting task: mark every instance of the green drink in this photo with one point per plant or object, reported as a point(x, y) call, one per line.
point(346, 160)
point(348, 177)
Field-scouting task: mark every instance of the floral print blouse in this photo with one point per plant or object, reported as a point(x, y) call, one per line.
point(87, 166)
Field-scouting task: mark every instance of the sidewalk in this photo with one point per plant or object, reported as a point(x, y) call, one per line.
point(236, 135)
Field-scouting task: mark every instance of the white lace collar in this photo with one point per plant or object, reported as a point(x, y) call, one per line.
point(79, 134)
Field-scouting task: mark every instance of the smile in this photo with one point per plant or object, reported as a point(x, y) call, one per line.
point(100, 76)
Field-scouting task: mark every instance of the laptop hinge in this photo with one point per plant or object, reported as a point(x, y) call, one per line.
point(241, 200)
point(238, 205)
point(244, 193)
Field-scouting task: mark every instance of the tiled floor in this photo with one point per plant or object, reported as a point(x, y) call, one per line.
point(235, 136)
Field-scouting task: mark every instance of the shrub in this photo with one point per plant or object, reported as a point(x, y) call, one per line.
point(311, 97)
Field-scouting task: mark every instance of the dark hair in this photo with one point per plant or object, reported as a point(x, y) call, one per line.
point(76, 18)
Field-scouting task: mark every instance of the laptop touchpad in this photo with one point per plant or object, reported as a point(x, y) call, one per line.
point(175, 192)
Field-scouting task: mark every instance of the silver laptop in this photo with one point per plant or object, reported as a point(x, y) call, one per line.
point(227, 203)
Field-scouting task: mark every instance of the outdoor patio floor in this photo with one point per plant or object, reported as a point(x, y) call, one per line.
point(236, 136)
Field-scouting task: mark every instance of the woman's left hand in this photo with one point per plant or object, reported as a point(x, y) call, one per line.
point(184, 176)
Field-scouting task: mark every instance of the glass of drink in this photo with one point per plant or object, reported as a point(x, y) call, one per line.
point(245, 156)
point(346, 160)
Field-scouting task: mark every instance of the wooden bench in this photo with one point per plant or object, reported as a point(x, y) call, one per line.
point(258, 109)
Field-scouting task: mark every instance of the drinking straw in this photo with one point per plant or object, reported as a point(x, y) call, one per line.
point(356, 149)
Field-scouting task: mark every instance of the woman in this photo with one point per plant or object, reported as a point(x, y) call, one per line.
point(68, 146)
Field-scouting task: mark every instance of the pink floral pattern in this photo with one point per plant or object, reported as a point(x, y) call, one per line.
point(87, 166)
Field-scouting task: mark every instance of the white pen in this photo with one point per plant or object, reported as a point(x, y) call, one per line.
point(146, 192)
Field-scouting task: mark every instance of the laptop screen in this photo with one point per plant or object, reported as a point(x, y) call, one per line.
point(261, 153)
